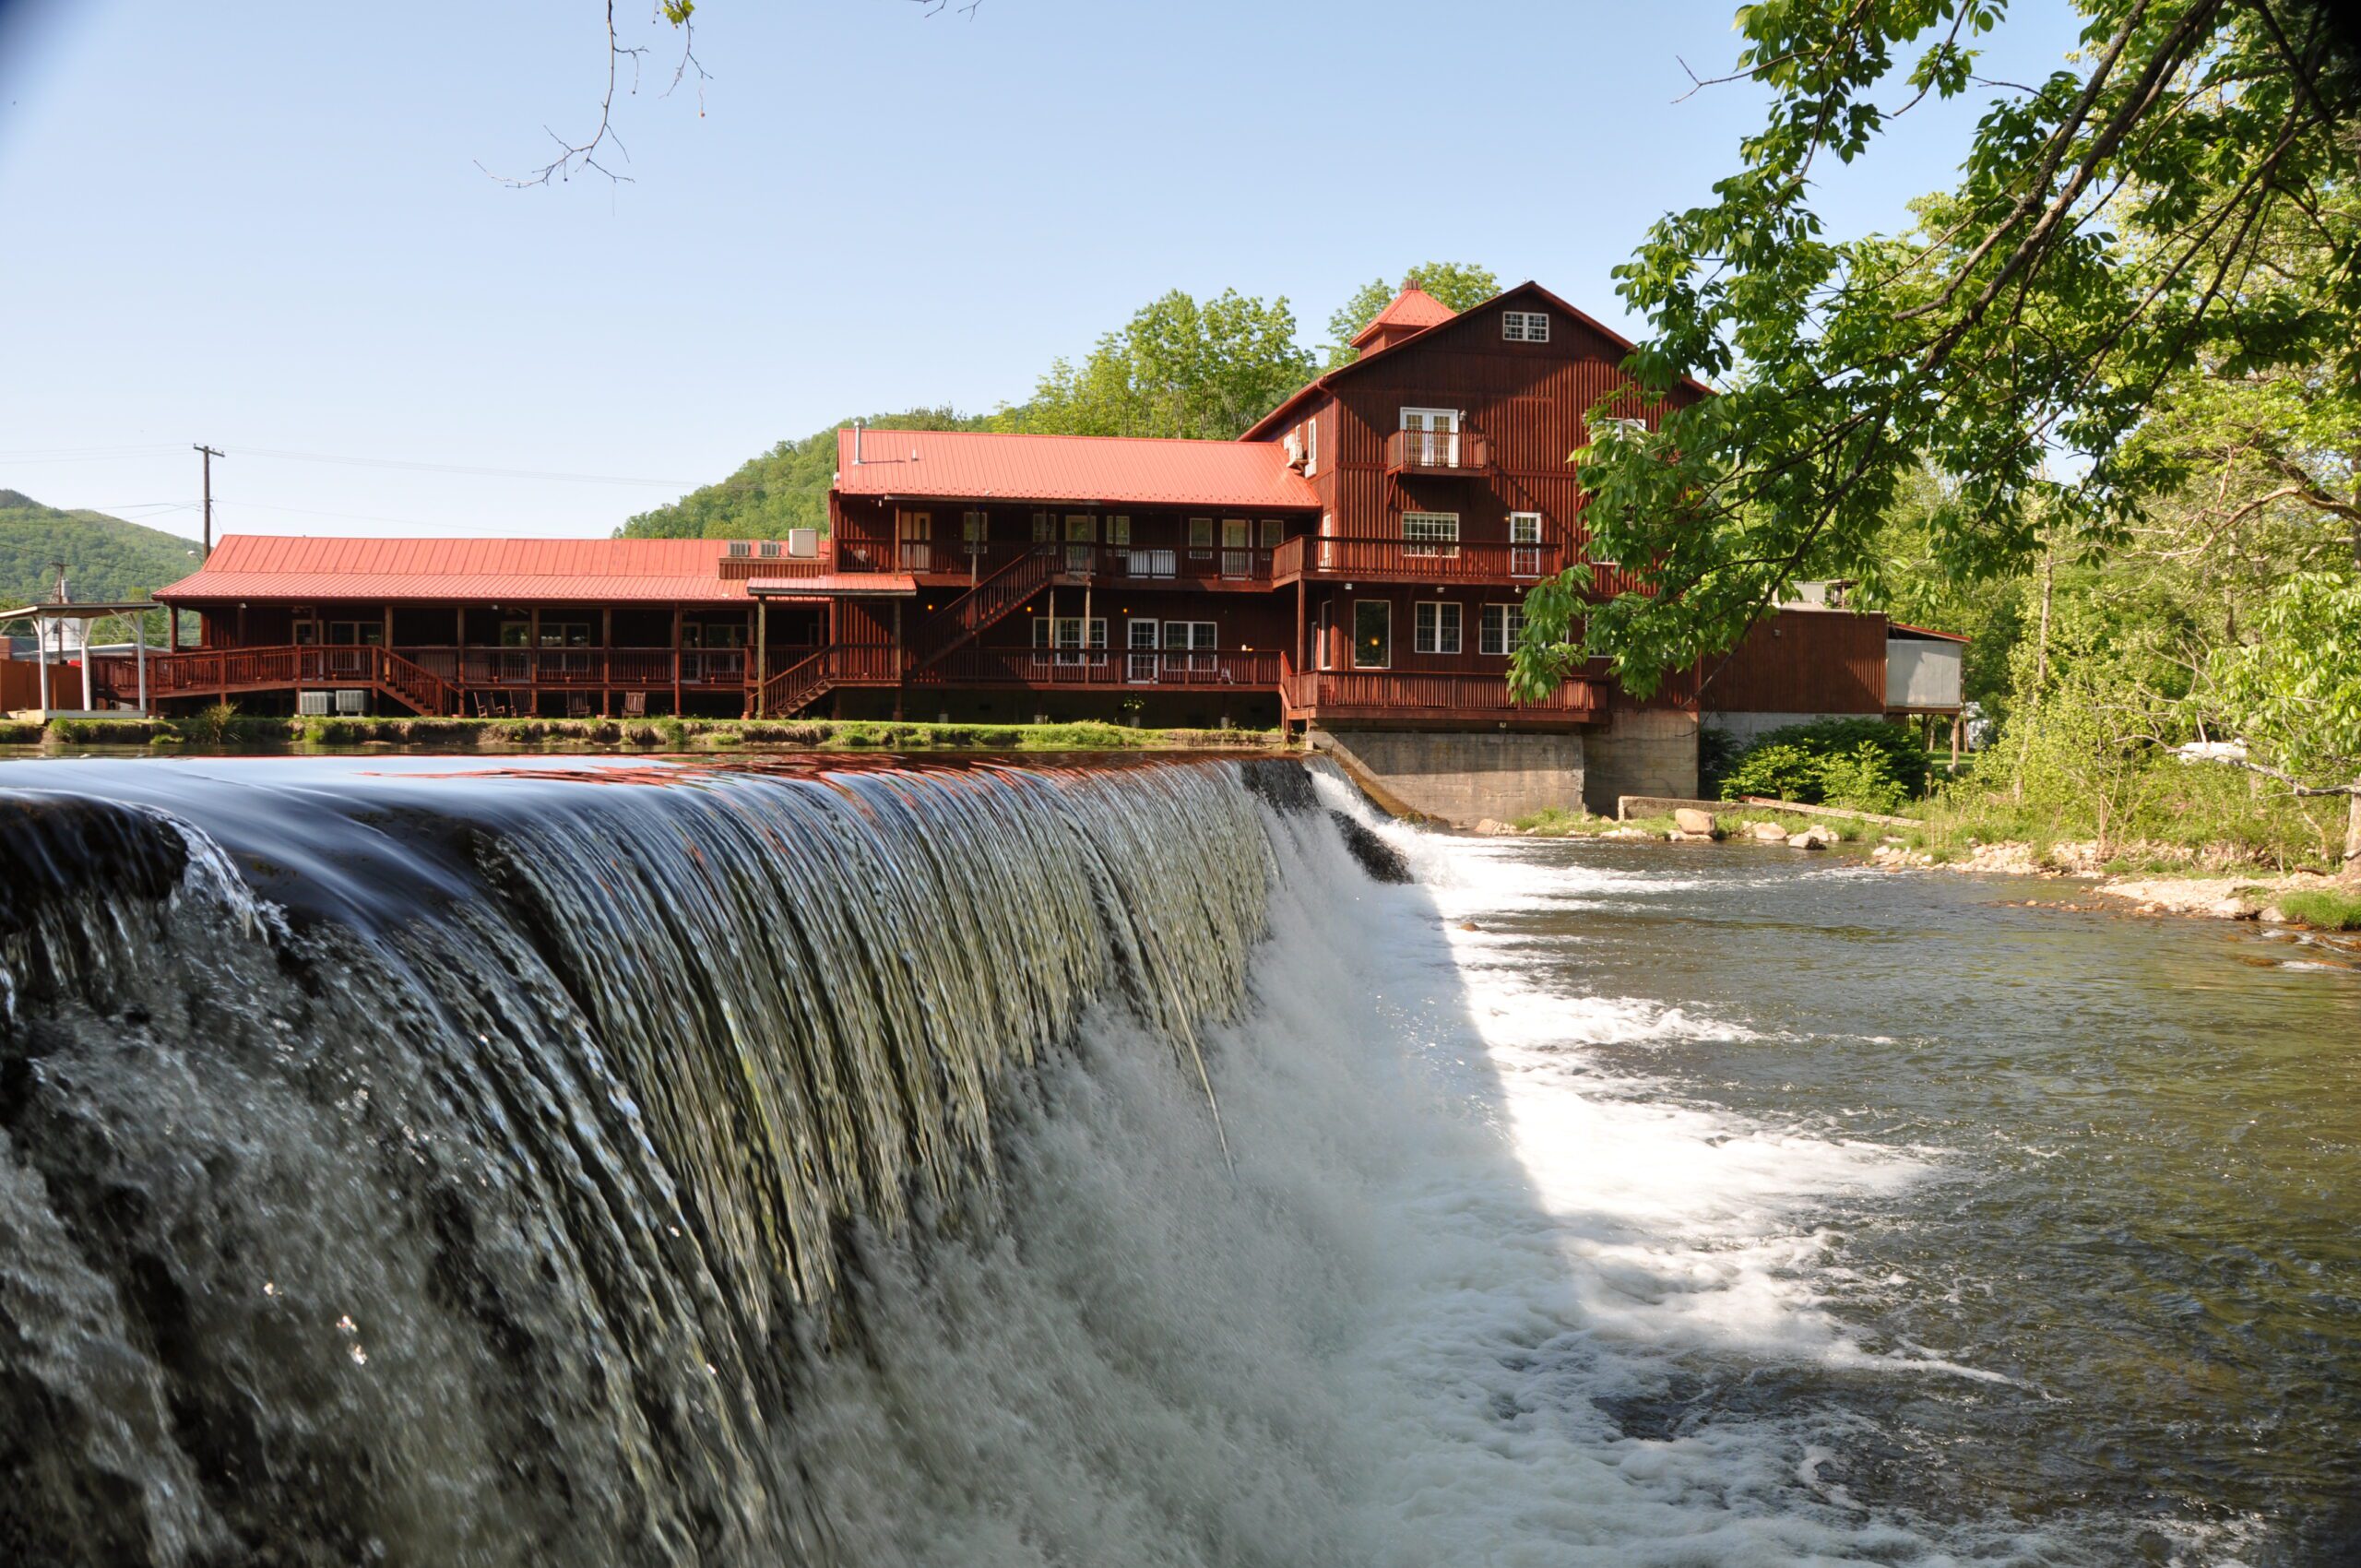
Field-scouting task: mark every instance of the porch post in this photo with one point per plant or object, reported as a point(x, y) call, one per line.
point(87, 703)
point(40, 641)
point(761, 651)
point(140, 641)
point(900, 674)
point(606, 662)
point(676, 661)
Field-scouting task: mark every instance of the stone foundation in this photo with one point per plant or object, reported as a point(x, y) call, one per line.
point(1463, 777)
point(1640, 750)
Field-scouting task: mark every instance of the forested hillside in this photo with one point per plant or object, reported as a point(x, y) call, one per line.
point(105, 557)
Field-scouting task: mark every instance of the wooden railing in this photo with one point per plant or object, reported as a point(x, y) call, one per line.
point(1102, 667)
point(584, 667)
point(262, 669)
point(1411, 693)
point(838, 664)
point(1118, 562)
point(983, 606)
point(1438, 452)
point(1413, 560)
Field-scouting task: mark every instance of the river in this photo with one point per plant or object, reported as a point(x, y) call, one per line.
point(426, 1160)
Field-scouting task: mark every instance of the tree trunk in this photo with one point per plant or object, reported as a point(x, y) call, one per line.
point(2353, 834)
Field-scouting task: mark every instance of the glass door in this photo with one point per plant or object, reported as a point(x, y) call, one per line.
point(915, 530)
point(1138, 653)
point(1372, 633)
point(1525, 544)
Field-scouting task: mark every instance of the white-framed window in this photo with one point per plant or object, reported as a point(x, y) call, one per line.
point(1430, 533)
point(1323, 636)
point(1497, 631)
point(1311, 445)
point(1372, 633)
point(1435, 626)
point(1525, 544)
point(1524, 326)
point(1070, 635)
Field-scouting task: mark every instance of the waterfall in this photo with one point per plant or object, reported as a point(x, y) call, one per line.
point(485, 1170)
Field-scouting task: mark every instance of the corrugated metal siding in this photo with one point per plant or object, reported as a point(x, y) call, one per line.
point(1803, 662)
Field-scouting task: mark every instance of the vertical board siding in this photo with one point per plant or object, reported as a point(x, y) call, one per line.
point(1802, 662)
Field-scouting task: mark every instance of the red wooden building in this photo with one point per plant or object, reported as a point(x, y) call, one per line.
point(1356, 559)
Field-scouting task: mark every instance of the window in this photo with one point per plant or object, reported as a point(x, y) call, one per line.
point(568, 634)
point(1323, 636)
point(1433, 441)
point(1310, 446)
point(371, 634)
point(1119, 529)
point(1435, 627)
point(1430, 533)
point(975, 526)
point(1372, 633)
point(1190, 636)
point(1275, 532)
point(1201, 538)
point(1045, 528)
point(1074, 642)
point(1524, 326)
point(1501, 625)
point(1525, 544)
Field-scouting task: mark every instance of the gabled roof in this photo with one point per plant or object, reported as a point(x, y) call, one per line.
point(945, 465)
point(1410, 310)
point(1269, 423)
point(274, 568)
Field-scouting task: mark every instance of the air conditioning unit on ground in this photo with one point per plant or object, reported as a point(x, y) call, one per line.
point(352, 700)
point(314, 704)
point(803, 543)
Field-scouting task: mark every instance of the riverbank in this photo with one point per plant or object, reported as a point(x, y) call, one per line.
point(219, 733)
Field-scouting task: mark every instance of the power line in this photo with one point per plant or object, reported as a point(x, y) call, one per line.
point(464, 469)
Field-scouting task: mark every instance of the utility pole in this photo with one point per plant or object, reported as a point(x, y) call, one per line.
point(209, 455)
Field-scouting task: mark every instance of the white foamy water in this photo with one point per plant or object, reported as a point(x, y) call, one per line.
point(1454, 1248)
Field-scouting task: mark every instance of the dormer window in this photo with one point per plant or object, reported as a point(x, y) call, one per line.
point(1524, 326)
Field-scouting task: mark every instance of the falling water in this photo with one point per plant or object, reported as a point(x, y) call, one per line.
point(425, 1162)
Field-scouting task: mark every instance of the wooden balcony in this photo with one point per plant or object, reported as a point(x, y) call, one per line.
point(957, 562)
point(1102, 669)
point(1412, 560)
point(1441, 452)
point(1446, 697)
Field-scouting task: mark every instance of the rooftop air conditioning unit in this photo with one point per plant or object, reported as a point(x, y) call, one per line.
point(1293, 443)
point(351, 699)
point(738, 547)
point(803, 543)
point(314, 704)
point(770, 547)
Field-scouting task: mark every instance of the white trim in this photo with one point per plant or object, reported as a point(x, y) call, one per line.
point(1438, 545)
point(1524, 326)
point(1510, 626)
point(1357, 662)
point(1455, 623)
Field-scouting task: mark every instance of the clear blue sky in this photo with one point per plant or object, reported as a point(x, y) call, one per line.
point(263, 225)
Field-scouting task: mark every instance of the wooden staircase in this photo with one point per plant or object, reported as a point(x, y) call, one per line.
point(987, 604)
point(803, 683)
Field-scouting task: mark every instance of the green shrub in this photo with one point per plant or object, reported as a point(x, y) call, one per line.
point(2324, 910)
point(1861, 763)
point(213, 725)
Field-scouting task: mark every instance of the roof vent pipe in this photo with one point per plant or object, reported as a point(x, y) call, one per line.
point(856, 443)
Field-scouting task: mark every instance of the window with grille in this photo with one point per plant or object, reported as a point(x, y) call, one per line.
point(1435, 626)
point(1430, 533)
point(1274, 530)
point(1524, 326)
point(1501, 626)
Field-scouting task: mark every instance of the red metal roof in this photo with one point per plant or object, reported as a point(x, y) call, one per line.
point(837, 585)
point(281, 568)
point(1411, 309)
point(1080, 469)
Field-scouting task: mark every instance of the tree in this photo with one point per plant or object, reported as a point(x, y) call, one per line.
point(785, 488)
point(2107, 236)
point(2296, 691)
point(1456, 283)
point(1178, 368)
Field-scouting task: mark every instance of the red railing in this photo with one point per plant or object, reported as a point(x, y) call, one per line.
point(983, 606)
point(1103, 668)
point(1438, 452)
point(1410, 694)
point(1414, 561)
